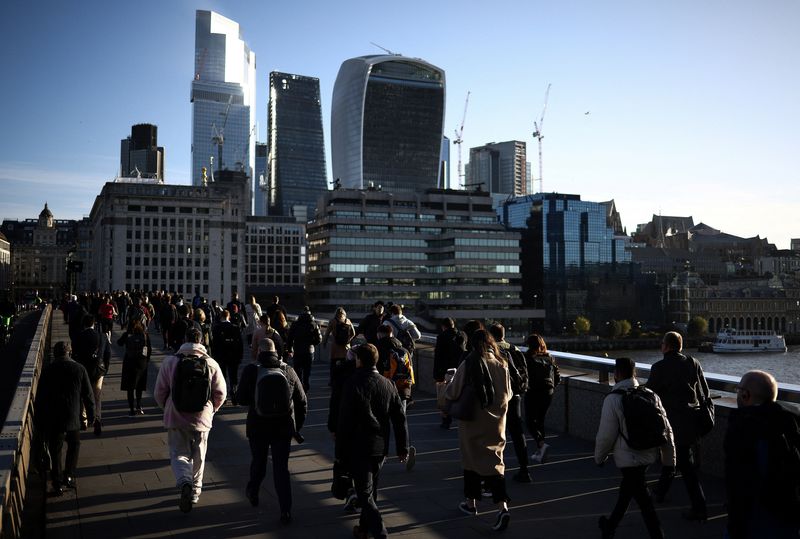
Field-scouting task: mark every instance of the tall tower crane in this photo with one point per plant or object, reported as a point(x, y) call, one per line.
point(458, 140)
point(219, 134)
point(537, 134)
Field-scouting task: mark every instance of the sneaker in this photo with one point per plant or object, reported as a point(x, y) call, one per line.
point(132, 413)
point(98, 428)
point(522, 476)
point(536, 457)
point(543, 452)
point(69, 482)
point(467, 510)
point(185, 503)
point(412, 458)
point(286, 517)
point(351, 504)
point(503, 518)
point(251, 494)
point(140, 411)
point(195, 499)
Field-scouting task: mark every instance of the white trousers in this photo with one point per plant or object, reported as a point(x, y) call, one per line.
point(187, 454)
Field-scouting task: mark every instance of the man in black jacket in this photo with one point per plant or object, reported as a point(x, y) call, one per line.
point(368, 327)
point(679, 382)
point(93, 351)
point(451, 344)
point(303, 336)
point(63, 387)
point(762, 462)
point(227, 347)
point(369, 404)
point(265, 433)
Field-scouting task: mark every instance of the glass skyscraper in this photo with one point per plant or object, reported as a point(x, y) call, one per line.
point(296, 168)
point(386, 123)
point(260, 180)
point(223, 98)
point(500, 167)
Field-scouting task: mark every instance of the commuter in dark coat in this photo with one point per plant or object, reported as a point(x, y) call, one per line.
point(134, 365)
point(451, 344)
point(678, 380)
point(762, 462)
point(369, 404)
point(369, 324)
point(303, 336)
point(63, 388)
point(93, 351)
point(271, 434)
point(227, 347)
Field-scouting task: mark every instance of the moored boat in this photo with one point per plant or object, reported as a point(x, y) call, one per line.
point(748, 340)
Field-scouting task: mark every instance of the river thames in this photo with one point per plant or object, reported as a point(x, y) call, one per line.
point(783, 366)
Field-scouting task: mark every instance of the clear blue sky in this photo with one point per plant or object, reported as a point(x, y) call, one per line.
point(694, 106)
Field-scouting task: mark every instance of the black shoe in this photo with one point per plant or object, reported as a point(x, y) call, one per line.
point(358, 533)
point(503, 518)
point(69, 482)
point(695, 515)
point(657, 496)
point(412, 458)
point(446, 424)
point(252, 495)
point(522, 476)
point(98, 428)
point(185, 503)
point(286, 517)
point(132, 413)
point(467, 510)
point(606, 531)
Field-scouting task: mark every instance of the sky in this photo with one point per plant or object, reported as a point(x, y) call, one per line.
point(692, 106)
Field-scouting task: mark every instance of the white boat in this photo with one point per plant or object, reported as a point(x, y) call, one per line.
point(748, 340)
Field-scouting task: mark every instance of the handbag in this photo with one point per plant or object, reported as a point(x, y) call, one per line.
point(704, 415)
point(441, 401)
point(465, 406)
point(342, 482)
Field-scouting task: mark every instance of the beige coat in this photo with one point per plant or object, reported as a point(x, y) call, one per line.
point(338, 351)
point(483, 440)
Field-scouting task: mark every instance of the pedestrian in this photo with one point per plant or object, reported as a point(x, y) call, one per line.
point(252, 313)
point(167, 316)
point(190, 389)
point(227, 348)
point(134, 366)
point(404, 329)
point(614, 435)
point(275, 307)
point(235, 302)
point(369, 404)
point(276, 412)
point(762, 462)
point(106, 314)
point(64, 389)
point(680, 383)
point(483, 378)
point(369, 324)
point(340, 331)
point(281, 325)
point(451, 344)
point(205, 327)
point(303, 336)
point(543, 378)
point(93, 351)
point(518, 373)
point(265, 330)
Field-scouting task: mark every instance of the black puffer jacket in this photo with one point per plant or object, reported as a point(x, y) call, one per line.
point(64, 385)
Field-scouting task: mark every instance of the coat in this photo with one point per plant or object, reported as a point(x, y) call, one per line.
point(483, 439)
point(63, 387)
point(227, 353)
point(134, 369)
point(450, 347)
point(678, 380)
point(608, 439)
point(338, 351)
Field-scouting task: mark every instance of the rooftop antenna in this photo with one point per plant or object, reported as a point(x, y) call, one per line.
point(537, 134)
point(387, 51)
point(458, 140)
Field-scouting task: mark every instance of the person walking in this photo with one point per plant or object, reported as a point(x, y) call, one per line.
point(543, 378)
point(369, 405)
point(190, 389)
point(762, 462)
point(404, 329)
point(252, 313)
point(64, 389)
point(276, 412)
point(370, 323)
point(134, 365)
point(265, 330)
point(227, 348)
point(93, 351)
point(451, 343)
point(483, 380)
point(340, 331)
point(303, 336)
point(613, 435)
point(680, 383)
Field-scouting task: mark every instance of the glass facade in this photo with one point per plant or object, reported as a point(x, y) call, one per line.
point(500, 168)
point(387, 120)
point(296, 164)
point(260, 181)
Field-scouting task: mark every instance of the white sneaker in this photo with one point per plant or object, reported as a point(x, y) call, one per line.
point(536, 457)
point(543, 453)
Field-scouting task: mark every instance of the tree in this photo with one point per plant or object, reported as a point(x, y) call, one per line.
point(582, 325)
point(624, 328)
point(697, 327)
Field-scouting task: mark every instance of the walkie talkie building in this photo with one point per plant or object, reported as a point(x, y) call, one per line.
point(386, 123)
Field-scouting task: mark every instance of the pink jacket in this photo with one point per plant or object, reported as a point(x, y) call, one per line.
point(199, 421)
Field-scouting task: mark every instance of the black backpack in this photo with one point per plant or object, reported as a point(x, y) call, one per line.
point(542, 372)
point(404, 337)
point(273, 399)
point(191, 388)
point(136, 348)
point(646, 422)
point(517, 369)
point(341, 334)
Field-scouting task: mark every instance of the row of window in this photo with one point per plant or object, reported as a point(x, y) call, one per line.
point(380, 268)
point(172, 209)
point(164, 274)
point(171, 249)
point(172, 235)
point(410, 216)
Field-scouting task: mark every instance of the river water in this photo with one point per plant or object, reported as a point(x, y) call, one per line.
point(784, 367)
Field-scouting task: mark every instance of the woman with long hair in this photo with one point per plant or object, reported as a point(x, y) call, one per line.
point(483, 377)
point(543, 377)
point(134, 365)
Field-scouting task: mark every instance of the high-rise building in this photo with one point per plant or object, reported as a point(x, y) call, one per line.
point(5, 263)
point(260, 181)
point(223, 99)
point(500, 168)
point(296, 164)
point(444, 172)
point(140, 154)
point(275, 259)
point(386, 123)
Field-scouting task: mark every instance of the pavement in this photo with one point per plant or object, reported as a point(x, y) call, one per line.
point(125, 486)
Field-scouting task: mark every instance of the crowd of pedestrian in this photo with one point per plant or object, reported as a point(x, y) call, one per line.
point(486, 384)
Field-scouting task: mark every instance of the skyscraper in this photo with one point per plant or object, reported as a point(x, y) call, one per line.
point(296, 162)
point(444, 172)
point(140, 153)
point(500, 168)
point(260, 180)
point(223, 98)
point(386, 123)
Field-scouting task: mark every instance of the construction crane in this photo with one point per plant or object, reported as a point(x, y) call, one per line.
point(537, 134)
point(219, 134)
point(458, 140)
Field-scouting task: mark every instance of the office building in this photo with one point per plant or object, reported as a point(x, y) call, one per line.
point(223, 97)
point(440, 253)
point(297, 173)
point(260, 180)
point(140, 154)
point(152, 236)
point(6, 276)
point(387, 116)
point(275, 260)
point(499, 168)
point(444, 171)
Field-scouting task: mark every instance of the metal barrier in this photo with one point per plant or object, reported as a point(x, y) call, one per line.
point(17, 433)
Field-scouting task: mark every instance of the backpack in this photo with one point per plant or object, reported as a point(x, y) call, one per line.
point(313, 334)
point(404, 337)
point(646, 421)
point(191, 388)
point(341, 334)
point(136, 347)
point(273, 397)
point(401, 370)
point(542, 373)
point(517, 369)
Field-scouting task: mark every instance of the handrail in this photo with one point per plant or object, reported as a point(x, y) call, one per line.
point(17, 433)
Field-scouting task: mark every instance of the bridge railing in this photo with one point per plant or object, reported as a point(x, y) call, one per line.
point(16, 436)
